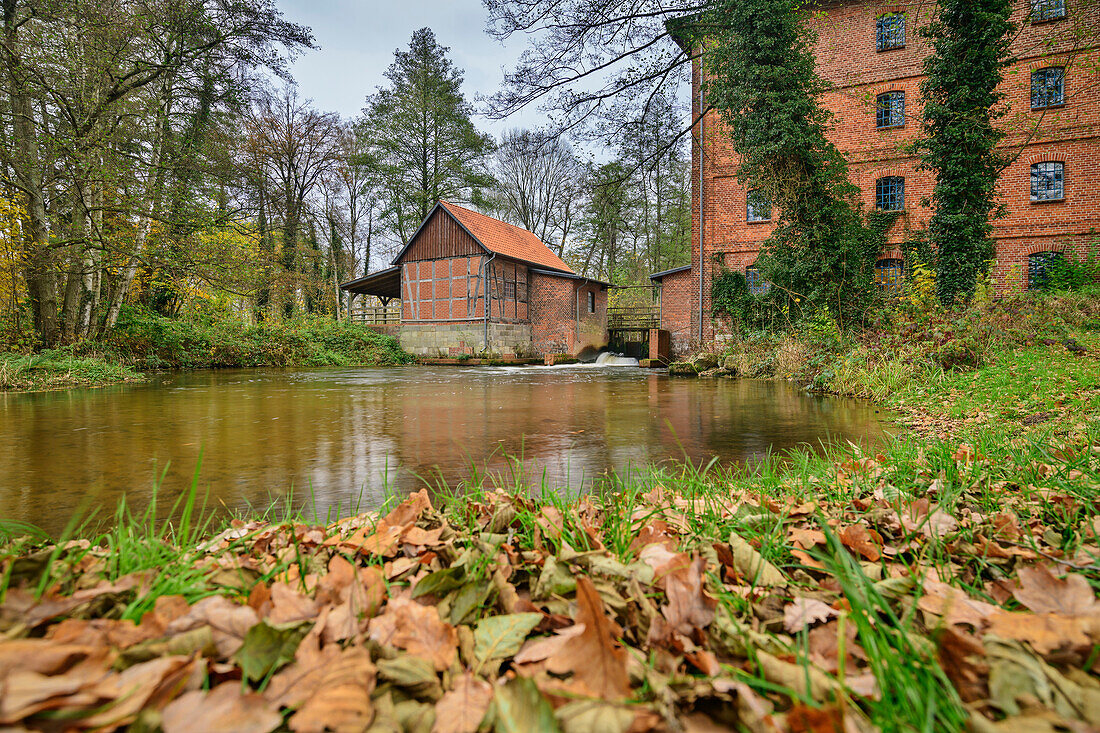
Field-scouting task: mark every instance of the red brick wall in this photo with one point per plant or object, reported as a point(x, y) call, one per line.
point(446, 290)
point(847, 58)
point(554, 323)
point(677, 292)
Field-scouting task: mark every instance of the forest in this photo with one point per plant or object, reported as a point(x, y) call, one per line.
point(157, 159)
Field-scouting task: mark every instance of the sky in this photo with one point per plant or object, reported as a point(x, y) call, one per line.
point(357, 39)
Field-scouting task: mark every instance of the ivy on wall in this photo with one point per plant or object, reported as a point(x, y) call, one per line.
point(970, 50)
point(762, 79)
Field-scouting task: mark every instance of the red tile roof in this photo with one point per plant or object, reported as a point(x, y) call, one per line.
point(505, 239)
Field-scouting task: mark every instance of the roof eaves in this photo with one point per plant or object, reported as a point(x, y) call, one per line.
point(570, 276)
point(673, 271)
point(368, 276)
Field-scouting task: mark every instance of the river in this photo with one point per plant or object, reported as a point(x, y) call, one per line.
point(340, 440)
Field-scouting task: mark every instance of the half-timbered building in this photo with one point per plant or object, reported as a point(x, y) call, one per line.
point(469, 283)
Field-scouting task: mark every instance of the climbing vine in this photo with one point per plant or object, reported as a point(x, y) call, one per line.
point(970, 50)
point(763, 81)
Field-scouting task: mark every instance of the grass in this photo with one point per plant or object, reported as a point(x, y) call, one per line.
point(60, 369)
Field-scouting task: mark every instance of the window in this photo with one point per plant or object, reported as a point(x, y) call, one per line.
point(758, 207)
point(591, 302)
point(756, 282)
point(1047, 10)
point(1038, 268)
point(890, 276)
point(1048, 181)
point(890, 193)
point(890, 110)
point(509, 289)
point(1048, 87)
point(890, 32)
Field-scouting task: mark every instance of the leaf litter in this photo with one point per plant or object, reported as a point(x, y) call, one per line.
point(623, 614)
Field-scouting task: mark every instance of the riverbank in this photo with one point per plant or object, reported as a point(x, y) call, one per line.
point(144, 341)
point(945, 581)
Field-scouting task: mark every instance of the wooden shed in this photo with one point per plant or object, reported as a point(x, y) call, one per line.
point(469, 283)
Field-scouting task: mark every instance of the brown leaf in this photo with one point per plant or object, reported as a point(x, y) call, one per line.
point(418, 630)
point(962, 658)
point(228, 621)
point(341, 700)
point(689, 607)
point(462, 709)
point(805, 538)
point(806, 612)
point(538, 650)
point(385, 536)
point(1047, 632)
point(146, 686)
point(955, 606)
point(1040, 591)
point(597, 663)
point(858, 538)
point(289, 606)
point(221, 710)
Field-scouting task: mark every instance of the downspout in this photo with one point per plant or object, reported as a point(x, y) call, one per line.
point(487, 301)
point(702, 129)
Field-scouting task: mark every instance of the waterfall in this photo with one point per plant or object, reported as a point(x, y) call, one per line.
point(608, 359)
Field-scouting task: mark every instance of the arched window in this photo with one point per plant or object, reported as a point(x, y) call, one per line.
point(1048, 181)
point(890, 110)
point(890, 31)
point(757, 207)
point(890, 193)
point(1048, 87)
point(1047, 10)
point(756, 282)
point(890, 275)
point(1038, 268)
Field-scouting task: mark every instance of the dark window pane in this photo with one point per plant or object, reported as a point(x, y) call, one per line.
point(1048, 181)
point(1048, 87)
point(890, 276)
point(1038, 268)
point(890, 110)
point(591, 302)
point(890, 31)
point(758, 207)
point(890, 193)
point(756, 282)
point(1048, 9)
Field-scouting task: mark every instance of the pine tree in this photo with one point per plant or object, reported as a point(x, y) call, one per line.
point(420, 132)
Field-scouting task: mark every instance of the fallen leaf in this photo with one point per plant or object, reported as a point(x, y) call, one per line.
point(593, 657)
point(519, 707)
point(858, 538)
point(805, 612)
point(1040, 591)
point(689, 607)
point(752, 566)
point(221, 710)
point(418, 630)
point(497, 637)
point(462, 709)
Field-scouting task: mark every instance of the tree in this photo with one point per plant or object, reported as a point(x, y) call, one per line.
point(421, 136)
point(763, 81)
point(970, 51)
point(536, 184)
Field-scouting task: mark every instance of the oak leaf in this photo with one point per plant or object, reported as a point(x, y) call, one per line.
point(858, 538)
point(1040, 591)
point(805, 612)
point(689, 607)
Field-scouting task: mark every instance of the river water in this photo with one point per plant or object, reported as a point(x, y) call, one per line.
point(343, 439)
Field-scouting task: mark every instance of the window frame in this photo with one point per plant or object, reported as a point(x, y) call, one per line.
point(1061, 88)
point(591, 302)
point(755, 282)
point(1045, 257)
point(750, 218)
point(892, 280)
point(884, 34)
point(879, 108)
point(1059, 180)
point(1039, 9)
point(898, 192)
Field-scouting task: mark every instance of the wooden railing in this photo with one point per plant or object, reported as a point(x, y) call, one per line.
point(377, 315)
point(635, 318)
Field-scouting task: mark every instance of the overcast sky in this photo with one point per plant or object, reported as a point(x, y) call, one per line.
point(357, 39)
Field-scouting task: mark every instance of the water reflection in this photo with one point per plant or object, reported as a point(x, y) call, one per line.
point(339, 438)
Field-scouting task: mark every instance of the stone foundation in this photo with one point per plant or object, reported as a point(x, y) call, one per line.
point(448, 340)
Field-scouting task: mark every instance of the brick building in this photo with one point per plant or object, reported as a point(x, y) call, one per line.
point(871, 54)
point(469, 283)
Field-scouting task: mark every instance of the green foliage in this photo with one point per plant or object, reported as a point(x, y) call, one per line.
point(1069, 275)
point(151, 341)
point(970, 47)
point(732, 302)
point(60, 368)
point(765, 85)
